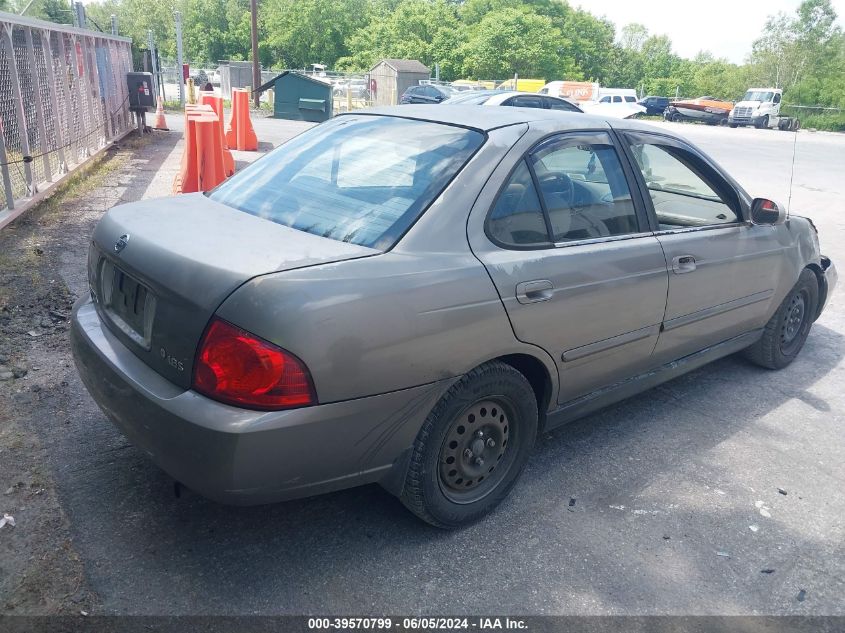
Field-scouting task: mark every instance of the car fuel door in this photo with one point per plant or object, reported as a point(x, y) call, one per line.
point(569, 251)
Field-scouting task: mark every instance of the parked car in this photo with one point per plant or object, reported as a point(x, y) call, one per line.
point(356, 88)
point(358, 308)
point(654, 105)
point(618, 106)
point(512, 98)
point(428, 93)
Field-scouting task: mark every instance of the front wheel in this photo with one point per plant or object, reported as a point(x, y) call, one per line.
point(472, 447)
point(787, 330)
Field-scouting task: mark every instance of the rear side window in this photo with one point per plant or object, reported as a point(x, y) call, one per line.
point(525, 101)
point(358, 179)
point(560, 104)
point(584, 189)
point(517, 219)
point(571, 187)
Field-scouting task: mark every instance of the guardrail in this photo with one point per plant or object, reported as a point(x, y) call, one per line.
point(63, 98)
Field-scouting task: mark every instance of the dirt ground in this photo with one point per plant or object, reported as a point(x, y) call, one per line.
point(40, 570)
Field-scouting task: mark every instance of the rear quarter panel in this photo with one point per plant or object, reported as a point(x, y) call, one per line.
point(382, 323)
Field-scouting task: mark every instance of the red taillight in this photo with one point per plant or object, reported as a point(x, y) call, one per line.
point(238, 368)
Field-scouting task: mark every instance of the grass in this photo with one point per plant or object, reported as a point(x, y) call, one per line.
point(831, 122)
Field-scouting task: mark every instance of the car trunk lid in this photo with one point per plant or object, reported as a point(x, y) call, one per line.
point(159, 269)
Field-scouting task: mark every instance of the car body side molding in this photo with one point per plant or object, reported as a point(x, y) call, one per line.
point(712, 311)
point(609, 343)
point(578, 408)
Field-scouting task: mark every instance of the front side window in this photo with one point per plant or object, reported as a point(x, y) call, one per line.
point(358, 179)
point(583, 188)
point(682, 191)
point(630, 99)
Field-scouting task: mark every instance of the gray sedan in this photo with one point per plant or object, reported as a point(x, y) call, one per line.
point(410, 295)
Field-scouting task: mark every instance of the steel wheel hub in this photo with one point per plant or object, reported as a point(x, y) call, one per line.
point(474, 446)
point(794, 318)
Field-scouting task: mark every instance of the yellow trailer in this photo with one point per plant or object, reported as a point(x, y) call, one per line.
point(523, 85)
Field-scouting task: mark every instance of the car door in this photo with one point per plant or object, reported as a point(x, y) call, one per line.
point(574, 261)
point(723, 269)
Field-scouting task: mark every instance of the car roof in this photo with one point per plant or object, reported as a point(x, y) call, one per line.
point(468, 116)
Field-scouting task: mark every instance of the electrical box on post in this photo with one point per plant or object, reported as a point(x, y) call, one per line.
point(141, 94)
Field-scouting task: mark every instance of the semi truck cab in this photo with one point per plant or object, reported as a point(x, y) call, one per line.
point(760, 107)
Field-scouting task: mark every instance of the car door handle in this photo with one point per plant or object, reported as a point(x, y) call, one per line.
point(534, 291)
point(683, 264)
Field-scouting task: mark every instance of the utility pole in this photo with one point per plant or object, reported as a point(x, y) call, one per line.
point(154, 63)
point(180, 79)
point(256, 68)
point(113, 24)
point(81, 21)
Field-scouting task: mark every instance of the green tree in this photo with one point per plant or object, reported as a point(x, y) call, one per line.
point(589, 42)
point(427, 30)
point(509, 41)
point(303, 32)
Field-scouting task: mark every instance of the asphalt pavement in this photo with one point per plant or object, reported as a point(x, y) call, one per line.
point(667, 503)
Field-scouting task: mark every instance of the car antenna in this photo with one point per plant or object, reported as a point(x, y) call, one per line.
point(792, 171)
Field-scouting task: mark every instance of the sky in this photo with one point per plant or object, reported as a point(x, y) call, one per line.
point(724, 27)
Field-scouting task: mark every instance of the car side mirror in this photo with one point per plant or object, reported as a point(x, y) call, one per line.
point(439, 98)
point(767, 212)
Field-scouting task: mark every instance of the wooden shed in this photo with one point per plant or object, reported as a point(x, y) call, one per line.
point(391, 77)
point(300, 97)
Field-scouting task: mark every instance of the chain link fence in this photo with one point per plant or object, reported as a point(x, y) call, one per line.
point(63, 97)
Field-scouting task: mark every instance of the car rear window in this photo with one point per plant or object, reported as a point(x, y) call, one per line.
point(358, 179)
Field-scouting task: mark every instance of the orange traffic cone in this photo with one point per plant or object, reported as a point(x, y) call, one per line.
point(159, 123)
point(241, 135)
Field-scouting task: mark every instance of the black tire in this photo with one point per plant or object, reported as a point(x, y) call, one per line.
point(787, 330)
point(733, 125)
point(763, 123)
point(448, 488)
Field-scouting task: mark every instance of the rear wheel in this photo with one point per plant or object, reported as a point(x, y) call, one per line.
point(787, 330)
point(472, 447)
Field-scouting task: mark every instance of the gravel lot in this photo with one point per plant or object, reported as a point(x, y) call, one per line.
point(677, 505)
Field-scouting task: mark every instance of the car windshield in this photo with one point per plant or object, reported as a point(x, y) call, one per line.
point(757, 95)
point(358, 179)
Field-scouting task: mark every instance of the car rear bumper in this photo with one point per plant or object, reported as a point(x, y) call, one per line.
point(829, 278)
point(239, 456)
